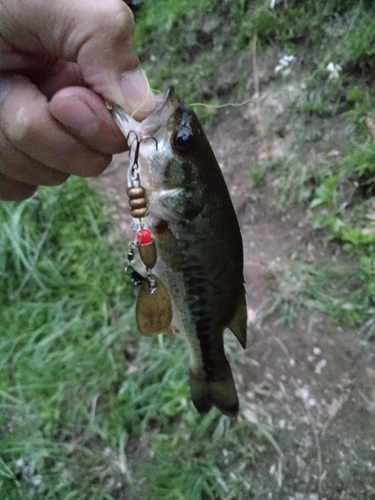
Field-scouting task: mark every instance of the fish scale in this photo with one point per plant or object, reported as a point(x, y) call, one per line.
point(198, 242)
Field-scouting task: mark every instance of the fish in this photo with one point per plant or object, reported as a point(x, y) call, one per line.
point(198, 241)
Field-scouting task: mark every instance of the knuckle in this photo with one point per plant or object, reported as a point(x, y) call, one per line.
point(122, 18)
point(116, 17)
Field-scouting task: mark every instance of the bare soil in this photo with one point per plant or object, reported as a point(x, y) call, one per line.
point(314, 384)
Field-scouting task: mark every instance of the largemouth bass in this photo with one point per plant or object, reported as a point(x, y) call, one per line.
point(198, 241)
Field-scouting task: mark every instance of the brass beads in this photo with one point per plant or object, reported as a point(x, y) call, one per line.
point(138, 201)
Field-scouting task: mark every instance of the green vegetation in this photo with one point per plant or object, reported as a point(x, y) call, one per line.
point(78, 387)
point(302, 286)
point(181, 42)
point(334, 42)
point(62, 341)
point(338, 195)
point(170, 37)
point(343, 205)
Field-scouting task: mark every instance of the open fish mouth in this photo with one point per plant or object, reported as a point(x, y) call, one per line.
point(166, 103)
point(149, 137)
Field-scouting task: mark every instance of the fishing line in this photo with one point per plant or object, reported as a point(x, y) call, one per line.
point(227, 105)
point(217, 106)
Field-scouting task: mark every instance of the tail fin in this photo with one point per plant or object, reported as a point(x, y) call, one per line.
point(219, 393)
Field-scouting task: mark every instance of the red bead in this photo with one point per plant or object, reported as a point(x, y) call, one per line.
point(144, 236)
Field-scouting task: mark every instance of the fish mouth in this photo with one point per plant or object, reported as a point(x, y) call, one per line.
point(163, 98)
point(166, 104)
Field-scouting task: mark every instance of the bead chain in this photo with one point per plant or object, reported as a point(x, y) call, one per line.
point(139, 207)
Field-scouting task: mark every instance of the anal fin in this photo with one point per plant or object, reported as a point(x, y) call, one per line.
point(238, 324)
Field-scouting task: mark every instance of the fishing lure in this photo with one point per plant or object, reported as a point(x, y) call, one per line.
point(189, 240)
point(154, 306)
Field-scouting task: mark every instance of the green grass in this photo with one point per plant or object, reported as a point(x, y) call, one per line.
point(302, 286)
point(65, 322)
point(87, 408)
point(337, 196)
point(342, 205)
point(337, 191)
point(184, 42)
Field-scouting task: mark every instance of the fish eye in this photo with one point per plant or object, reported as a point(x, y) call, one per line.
point(182, 139)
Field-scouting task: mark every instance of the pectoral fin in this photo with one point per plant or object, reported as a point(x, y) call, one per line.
point(167, 245)
point(238, 324)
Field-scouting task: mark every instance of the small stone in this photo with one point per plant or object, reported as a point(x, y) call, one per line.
point(319, 367)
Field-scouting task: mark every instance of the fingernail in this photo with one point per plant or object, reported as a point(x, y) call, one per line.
point(137, 94)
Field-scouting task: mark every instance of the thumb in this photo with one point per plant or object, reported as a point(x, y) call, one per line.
point(108, 62)
point(98, 36)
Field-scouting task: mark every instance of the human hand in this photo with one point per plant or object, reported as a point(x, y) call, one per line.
point(59, 62)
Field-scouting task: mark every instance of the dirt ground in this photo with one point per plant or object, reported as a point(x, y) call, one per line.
point(313, 383)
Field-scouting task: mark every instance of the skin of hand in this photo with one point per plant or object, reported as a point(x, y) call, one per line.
point(60, 62)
